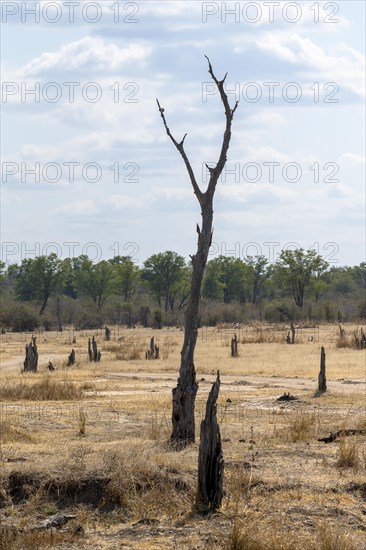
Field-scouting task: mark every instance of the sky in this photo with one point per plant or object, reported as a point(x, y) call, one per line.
point(86, 165)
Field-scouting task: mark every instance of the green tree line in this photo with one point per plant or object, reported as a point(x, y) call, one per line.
point(48, 291)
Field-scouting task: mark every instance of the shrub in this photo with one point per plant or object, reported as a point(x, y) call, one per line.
point(20, 318)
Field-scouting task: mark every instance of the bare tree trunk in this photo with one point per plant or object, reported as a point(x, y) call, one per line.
point(154, 351)
point(322, 381)
point(71, 359)
point(94, 354)
point(184, 394)
point(234, 346)
point(31, 356)
point(293, 332)
point(44, 304)
point(210, 458)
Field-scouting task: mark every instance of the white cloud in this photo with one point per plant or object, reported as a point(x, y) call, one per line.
point(345, 66)
point(88, 53)
point(73, 209)
point(351, 160)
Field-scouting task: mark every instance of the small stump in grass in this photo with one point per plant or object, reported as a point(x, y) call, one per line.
point(287, 397)
point(153, 352)
point(234, 346)
point(94, 354)
point(210, 458)
point(322, 380)
point(71, 359)
point(31, 356)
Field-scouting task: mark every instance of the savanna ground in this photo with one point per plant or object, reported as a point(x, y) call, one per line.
point(92, 442)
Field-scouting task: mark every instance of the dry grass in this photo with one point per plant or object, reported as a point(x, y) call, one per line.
point(302, 427)
point(47, 389)
point(284, 489)
point(10, 433)
point(348, 452)
point(248, 534)
point(350, 339)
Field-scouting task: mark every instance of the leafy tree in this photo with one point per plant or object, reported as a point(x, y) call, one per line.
point(297, 269)
point(360, 274)
point(213, 287)
point(258, 273)
point(93, 280)
point(38, 278)
point(163, 272)
point(225, 279)
point(125, 276)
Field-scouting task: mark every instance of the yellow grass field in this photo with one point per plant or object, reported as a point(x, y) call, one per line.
point(92, 442)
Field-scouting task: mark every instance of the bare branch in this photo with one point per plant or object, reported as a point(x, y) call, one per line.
point(180, 148)
point(229, 114)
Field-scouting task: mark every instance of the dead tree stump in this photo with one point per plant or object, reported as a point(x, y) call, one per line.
point(210, 457)
point(94, 354)
point(153, 352)
point(293, 332)
point(322, 381)
point(363, 340)
point(31, 356)
point(234, 346)
point(71, 359)
point(50, 366)
point(107, 334)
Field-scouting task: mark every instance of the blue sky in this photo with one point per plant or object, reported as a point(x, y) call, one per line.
point(296, 165)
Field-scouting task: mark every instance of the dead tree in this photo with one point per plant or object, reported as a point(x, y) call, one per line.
point(71, 359)
point(363, 340)
point(154, 351)
point(291, 339)
point(292, 328)
point(234, 346)
point(107, 334)
point(31, 356)
point(322, 381)
point(210, 457)
point(94, 354)
point(184, 394)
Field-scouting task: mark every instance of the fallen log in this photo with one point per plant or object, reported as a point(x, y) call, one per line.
point(334, 435)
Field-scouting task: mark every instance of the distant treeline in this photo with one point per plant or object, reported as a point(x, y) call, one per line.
point(49, 292)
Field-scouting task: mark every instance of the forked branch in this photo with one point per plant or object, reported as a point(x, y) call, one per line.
point(216, 171)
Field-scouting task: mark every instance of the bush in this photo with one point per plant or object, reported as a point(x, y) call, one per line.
point(20, 318)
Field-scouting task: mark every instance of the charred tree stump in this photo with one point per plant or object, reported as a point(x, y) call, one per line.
point(71, 359)
point(322, 381)
point(154, 351)
point(210, 457)
point(184, 394)
point(50, 366)
point(94, 354)
point(293, 332)
point(234, 346)
point(31, 356)
point(363, 340)
point(107, 334)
